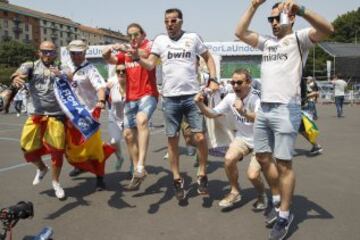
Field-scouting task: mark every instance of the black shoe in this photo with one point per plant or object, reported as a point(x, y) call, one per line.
point(100, 184)
point(179, 189)
point(281, 228)
point(316, 149)
point(202, 182)
point(76, 172)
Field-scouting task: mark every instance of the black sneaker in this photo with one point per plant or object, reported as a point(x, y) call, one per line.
point(179, 189)
point(100, 184)
point(270, 214)
point(76, 172)
point(202, 182)
point(316, 149)
point(281, 227)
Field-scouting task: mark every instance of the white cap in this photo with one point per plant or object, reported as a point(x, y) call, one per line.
point(77, 46)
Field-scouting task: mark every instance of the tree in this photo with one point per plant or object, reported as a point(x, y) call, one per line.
point(13, 53)
point(347, 27)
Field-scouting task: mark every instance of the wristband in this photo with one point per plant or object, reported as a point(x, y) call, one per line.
point(213, 79)
point(301, 11)
point(102, 101)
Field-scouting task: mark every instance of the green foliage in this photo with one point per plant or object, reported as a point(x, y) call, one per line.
point(13, 53)
point(347, 27)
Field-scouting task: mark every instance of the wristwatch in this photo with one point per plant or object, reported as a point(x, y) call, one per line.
point(213, 79)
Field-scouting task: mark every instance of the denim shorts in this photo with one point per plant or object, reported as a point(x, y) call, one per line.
point(276, 128)
point(175, 108)
point(146, 104)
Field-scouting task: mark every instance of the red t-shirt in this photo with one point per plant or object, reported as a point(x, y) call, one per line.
point(139, 82)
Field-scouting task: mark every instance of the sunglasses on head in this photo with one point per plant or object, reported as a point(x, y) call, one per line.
point(48, 52)
point(120, 71)
point(233, 82)
point(272, 18)
point(172, 21)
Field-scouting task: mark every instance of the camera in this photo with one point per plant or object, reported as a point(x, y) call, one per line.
point(11, 215)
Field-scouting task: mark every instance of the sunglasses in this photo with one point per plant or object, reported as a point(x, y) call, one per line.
point(232, 82)
point(120, 71)
point(272, 18)
point(76, 53)
point(48, 52)
point(133, 35)
point(172, 21)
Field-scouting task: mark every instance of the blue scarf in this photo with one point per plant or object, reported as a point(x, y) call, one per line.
point(77, 113)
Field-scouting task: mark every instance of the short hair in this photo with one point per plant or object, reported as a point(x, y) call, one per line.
point(276, 5)
point(136, 25)
point(243, 71)
point(172, 10)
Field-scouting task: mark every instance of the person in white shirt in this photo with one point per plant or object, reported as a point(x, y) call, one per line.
point(278, 119)
point(339, 88)
point(177, 51)
point(242, 104)
point(89, 87)
point(116, 84)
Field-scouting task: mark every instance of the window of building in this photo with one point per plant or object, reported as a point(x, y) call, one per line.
point(17, 35)
point(44, 22)
point(6, 23)
point(61, 34)
point(5, 13)
point(6, 33)
point(27, 37)
point(26, 27)
point(45, 30)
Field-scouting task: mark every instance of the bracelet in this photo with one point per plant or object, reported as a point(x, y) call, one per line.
point(301, 11)
point(213, 79)
point(102, 101)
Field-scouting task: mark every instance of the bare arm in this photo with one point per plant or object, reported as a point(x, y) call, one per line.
point(208, 58)
point(239, 106)
point(242, 31)
point(101, 98)
point(107, 52)
point(149, 63)
point(321, 27)
point(208, 112)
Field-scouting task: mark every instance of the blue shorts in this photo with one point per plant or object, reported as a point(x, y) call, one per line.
point(175, 108)
point(146, 104)
point(276, 128)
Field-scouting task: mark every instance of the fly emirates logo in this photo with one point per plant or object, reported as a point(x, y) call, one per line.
point(179, 54)
point(273, 55)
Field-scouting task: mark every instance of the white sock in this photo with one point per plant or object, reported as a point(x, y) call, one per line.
point(276, 199)
point(284, 214)
point(139, 168)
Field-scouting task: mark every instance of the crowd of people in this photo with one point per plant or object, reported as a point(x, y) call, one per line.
point(66, 101)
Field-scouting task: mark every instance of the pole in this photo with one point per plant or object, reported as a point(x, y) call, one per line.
point(314, 62)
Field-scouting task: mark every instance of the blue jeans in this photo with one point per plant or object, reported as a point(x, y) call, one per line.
point(311, 108)
point(175, 108)
point(276, 128)
point(146, 104)
point(339, 102)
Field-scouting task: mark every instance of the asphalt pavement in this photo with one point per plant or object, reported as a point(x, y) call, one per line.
point(325, 204)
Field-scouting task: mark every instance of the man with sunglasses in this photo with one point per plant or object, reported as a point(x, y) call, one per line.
point(242, 104)
point(279, 116)
point(177, 51)
point(140, 99)
point(43, 132)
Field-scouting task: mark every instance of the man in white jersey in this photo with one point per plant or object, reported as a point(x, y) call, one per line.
point(177, 51)
point(242, 104)
point(278, 119)
point(339, 90)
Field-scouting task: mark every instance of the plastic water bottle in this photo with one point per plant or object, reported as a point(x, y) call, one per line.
point(284, 18)
point(45, 234)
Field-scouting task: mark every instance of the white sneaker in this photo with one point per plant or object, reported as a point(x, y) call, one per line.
point(40, 175)
point(59, 191)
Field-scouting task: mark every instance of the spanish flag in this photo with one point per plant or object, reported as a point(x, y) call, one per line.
point(310, 127)
point(87, 154)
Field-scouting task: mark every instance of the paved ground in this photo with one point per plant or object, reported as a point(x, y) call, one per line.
point(326, 202)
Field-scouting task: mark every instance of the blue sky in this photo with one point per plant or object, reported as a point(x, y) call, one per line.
point(213, 20)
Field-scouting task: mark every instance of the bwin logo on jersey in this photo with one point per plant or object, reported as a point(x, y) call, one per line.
point(176, 55)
